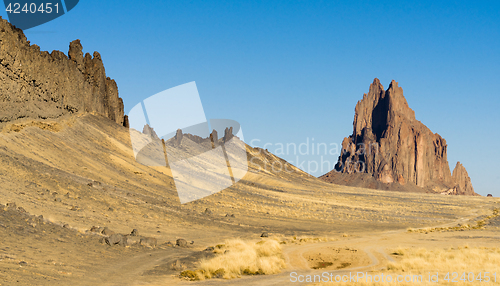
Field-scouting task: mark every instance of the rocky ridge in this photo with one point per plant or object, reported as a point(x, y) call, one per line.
point(40, 85)
point(395, 150)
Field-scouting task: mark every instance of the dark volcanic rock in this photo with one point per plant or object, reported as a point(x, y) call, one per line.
point(181, 242)
point(148, 130)
point(214, 138)
point(462, 180)
point(394, 148)
point(40, 85)
point(116, 238)
point(178, 137)
point(228, 134)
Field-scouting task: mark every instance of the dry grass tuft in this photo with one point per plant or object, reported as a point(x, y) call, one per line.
point(237, 257)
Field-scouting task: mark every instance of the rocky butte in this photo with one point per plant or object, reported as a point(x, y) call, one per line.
point(389, 149)
point(40, 85)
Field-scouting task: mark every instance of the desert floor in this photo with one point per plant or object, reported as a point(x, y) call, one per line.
point(68, 175)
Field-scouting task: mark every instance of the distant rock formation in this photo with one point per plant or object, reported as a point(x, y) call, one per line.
point(228, 134)
point(462, 180)
point(178, 138)
point(395, 149)
point(213, 137)
point(148, 130)
point(39, 85)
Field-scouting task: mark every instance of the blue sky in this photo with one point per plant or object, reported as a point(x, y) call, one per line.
point(289, 71)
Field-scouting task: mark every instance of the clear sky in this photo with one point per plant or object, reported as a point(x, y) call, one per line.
point(293, 71)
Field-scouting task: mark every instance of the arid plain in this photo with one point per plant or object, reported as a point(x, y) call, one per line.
point(67, 175)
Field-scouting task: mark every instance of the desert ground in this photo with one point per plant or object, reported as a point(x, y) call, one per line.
point(60, 178)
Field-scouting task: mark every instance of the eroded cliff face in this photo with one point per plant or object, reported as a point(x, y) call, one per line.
point(394, 148)
point(38, 84)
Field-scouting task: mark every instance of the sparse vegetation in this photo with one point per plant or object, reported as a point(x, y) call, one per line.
point(458, 259)
point(237, 257)
point(479, 225)
point(421, 261)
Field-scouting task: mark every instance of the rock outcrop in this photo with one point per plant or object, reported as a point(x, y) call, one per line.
point(462, 180)
point(39, 85)
point(148, 130)
point(395, 149)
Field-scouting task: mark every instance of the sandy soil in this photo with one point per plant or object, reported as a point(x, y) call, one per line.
point(80, 172)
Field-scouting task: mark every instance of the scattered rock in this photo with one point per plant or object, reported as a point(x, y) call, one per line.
point(264, 234)
point(57, 200)
point(133, 240)
point(115, 239)
point(107, 232)
point(177, 265)
point(23, 263)
point(11, 206)
point(181, 242)
point(207, 211)
point(148, 242)
point(490, 195)
point(134, 232)
point(210, 248)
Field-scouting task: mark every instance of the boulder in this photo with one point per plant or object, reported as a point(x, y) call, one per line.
point(133, 240)
point(107, 232)
point(181, 243)
point(116, 239)
point(148, 242)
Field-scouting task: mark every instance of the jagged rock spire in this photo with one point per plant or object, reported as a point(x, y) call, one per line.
point(389, 144)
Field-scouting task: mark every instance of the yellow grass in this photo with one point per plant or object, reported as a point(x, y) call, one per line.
point(479, 225)
point(415, 262)
point(237, 257)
